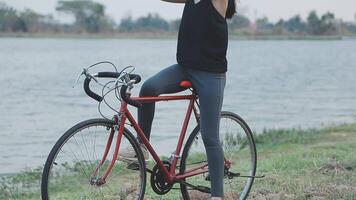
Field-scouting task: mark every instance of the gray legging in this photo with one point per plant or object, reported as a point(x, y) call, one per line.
point(210, 89)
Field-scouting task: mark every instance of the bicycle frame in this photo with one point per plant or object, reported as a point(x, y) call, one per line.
point(171, 176)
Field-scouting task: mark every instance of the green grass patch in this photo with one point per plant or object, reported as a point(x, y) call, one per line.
point(307, 164)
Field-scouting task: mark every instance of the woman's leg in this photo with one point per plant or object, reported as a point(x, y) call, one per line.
point(165, 82)
point(210, 89)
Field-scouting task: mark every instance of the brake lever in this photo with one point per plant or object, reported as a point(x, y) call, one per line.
point(88, 75)
point(78, 78)
point(126, 78)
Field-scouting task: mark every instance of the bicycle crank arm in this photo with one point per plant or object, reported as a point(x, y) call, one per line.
point(149, 170)
point(252, 176)
point(231, 175)
point(198, 187)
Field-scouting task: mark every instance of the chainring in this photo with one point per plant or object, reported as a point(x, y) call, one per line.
point(158, 181)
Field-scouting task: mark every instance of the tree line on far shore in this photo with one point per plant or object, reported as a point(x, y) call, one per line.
point(90, 17)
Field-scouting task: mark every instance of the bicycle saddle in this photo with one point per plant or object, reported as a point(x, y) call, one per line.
point(186, 84)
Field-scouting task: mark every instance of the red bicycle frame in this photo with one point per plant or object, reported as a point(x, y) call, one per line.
point(125, 114)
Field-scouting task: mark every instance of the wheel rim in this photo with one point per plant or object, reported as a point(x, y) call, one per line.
point(71, 172)
point(239, 149)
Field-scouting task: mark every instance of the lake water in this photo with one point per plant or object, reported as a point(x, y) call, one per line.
point(272, 84)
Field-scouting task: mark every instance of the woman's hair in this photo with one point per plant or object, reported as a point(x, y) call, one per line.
point(231, 9)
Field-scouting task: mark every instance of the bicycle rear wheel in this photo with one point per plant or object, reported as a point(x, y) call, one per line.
point(70, 166)
point(239, 150)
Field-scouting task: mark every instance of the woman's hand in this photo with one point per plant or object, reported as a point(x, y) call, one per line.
point(175, 1)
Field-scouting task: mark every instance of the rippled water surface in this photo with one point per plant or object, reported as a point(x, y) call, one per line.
point(272, 84)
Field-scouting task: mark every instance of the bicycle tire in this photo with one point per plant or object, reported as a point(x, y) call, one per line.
point(195, 139)
point(48, 184)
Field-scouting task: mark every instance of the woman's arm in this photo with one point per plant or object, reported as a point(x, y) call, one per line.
point(221, 6)
point(175, 1)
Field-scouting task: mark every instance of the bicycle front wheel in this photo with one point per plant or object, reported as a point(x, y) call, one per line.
point(72, 169)
point(240, 160)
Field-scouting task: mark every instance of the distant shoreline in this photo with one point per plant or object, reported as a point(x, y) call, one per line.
point(164, 35)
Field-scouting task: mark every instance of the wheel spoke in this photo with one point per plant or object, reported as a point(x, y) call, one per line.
point(239, 149)
point(73, 160)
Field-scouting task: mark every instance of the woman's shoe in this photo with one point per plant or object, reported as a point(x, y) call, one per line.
point(129, 154)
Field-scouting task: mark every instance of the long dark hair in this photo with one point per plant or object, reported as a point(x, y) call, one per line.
point(231, 9)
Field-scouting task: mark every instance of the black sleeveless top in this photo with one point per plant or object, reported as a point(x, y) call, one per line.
point(203, 38)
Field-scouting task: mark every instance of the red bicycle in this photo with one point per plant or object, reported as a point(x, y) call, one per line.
point(85, 163)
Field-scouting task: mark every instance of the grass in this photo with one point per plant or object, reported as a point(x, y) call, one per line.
point(297, 164)
point(307, 164)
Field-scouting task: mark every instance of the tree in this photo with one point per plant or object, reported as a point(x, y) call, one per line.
point(147, 23)
point(278, 28)
point(239, 21)
point(89, 15)
point(325, 25)
point(152, 21)
point(32, 20)
point(314, 23)
point(295, 24)
point(328, 24)
point(263, 23)
point(127, 24)
point(9, 20)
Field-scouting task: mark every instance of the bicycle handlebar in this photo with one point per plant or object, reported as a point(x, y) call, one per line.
point(89, 92)
point(135, 77)
point(130, 79)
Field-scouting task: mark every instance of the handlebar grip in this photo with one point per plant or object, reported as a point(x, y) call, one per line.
point(89, 92)
point(127, 99)
point(135, 77)
point(108, 75)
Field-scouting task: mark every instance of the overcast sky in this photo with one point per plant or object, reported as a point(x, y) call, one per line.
point(273, 9)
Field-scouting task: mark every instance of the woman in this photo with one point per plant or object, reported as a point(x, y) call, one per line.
point(201, 57)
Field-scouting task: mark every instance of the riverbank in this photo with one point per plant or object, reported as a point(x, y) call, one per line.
point(297, 164)
point(164, 35)
point(310, 164)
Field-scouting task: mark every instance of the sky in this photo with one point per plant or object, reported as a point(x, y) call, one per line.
point(273, 9)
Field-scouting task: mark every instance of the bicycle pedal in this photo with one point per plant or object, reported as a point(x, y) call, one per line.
point(231, 175)
point(204, 189)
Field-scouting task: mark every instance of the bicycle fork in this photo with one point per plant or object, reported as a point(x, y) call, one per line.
point(98, 181)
